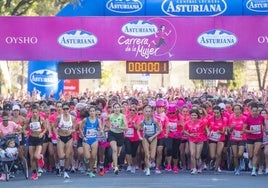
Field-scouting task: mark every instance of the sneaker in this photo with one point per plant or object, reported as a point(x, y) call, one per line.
point(168, 168)
point(116, 171)
point(12, 175)
point(40, 172)
point(148, 173)
point(219, 169)
point(41, 161)
point(204, 166)
point(128, 168)
point(152, 164)
point(260, 171)
point(237, 172)
point(211, 164)
point(250, 164)
point(86, 160)
point(157, 171)
point(176, 170)
point(266, 171)
point(91, 174)
point(101, 172)
point(58, 172)
point(199, 170)
point(194, 171)
point(3, 177)
point(253, 173)
point(133, 169)
point(66, 175)
point(34, 176)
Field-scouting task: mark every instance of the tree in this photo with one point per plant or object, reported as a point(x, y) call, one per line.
point(261, 75)
point(31, 7)
point(238, 75)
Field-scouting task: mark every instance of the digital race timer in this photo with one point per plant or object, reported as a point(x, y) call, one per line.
point(149, 67)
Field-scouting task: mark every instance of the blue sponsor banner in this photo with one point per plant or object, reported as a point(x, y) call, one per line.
point(124, 8)
point(43, 79)
point(193, 7)
point(83, 8)
point(255, 7)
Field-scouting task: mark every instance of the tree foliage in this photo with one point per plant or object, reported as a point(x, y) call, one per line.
point(31, 7)
point(237, 81)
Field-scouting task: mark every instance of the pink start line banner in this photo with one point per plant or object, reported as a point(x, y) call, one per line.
point(134, 38)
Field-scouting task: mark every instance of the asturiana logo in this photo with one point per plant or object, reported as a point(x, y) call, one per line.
point(139, 28)
point(124, 6)
point(44, 78)
point(257, 5)
point(194, 7)
point(77, 39)
point(217, 39)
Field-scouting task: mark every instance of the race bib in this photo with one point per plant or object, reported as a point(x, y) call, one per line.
point(91, 133)
point(256, 128)
point(265, 139)
point(149, 130)
point(129, 133)
point(115, 124)
point(173, 127)
point(214, 136)
point(34, 126)
point(237, 135)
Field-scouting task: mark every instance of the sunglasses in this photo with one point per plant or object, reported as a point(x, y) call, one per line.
point(65, 108)
point(140, 113)
point(133, 110)
point(172, 113)
point(98, 114)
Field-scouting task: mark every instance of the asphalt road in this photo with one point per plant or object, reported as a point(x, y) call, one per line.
point(139, 180)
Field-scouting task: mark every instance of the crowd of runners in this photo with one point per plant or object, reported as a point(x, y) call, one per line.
point(173, 130)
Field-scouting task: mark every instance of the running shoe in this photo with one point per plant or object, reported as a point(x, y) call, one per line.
point(176, 170)
point(34, 176)
point(133, 169)
point(250, 164)
point(101, 172)
point(219, 169)
point(194, 171)
point(3, 177)
point(152, 164)
point(86, 160)
point(128, 168)
point(157, 171)
point(253, 173)
point(199, 170)
point(41, 161)
point(237, 172)
point(266, 171)
point(168, 168)
point(260, 171)
point(40, 172)
point(116, 171)
point(58, 172)
point(148, 173)
point(91, 174)
point(66, 175)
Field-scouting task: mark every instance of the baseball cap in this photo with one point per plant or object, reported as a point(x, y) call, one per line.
point(16, 107)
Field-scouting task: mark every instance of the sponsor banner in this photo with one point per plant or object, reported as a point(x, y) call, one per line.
point(79, 70)
point(193, 7)
point(83, 8)
point(43, 79)
point(71, 87)
point(211, 70)
point(124, 8)
point(255, 7)
point(134, 38)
